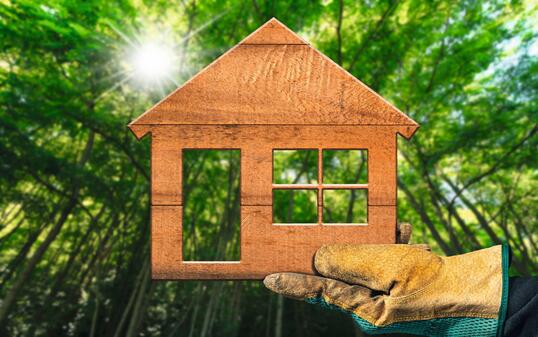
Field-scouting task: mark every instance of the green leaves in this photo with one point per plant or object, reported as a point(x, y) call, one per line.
point(466, 71)
point(211, 198)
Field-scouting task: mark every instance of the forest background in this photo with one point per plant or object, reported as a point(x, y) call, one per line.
point(74, 182)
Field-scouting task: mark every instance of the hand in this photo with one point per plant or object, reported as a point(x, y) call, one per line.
point(406, 289)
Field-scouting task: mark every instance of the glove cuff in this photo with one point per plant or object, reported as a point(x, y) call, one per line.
point(445, 326)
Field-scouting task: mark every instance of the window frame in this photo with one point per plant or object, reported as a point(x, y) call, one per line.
point(320, 186)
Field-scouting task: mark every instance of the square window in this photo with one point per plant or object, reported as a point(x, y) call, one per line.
point(295, 166)
point(345, 206)
point(295, 206)
point(345, 166)
point(339, 176)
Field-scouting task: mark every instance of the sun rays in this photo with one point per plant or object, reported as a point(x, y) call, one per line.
point(153, 58)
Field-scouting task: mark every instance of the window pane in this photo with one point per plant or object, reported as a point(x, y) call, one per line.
point(211, 199)
point(345, 166)
point(295, 206)
point(345, 206)
point(295, 166)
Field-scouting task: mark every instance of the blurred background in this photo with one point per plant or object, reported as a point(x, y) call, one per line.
point(74, 182)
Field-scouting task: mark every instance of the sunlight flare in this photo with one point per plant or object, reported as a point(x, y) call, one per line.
point(153, 62)
point(154, 58)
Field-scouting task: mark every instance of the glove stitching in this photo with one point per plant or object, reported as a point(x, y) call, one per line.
point(425, 289)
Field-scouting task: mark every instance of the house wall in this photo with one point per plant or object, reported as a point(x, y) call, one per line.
point(266, 248)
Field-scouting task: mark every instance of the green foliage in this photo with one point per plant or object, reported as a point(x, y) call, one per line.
point(345, 166)
point(295, 166)
point(74, 201)
point(345, 206)
point(295, 206)
point(211, 227)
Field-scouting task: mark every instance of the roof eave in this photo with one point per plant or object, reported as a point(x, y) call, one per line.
point(139, 130)
point(407, 131)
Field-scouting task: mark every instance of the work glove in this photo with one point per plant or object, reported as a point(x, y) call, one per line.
point(407, 289)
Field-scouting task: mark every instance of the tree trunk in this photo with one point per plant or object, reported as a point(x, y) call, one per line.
point(279, 315)
point(11, 296)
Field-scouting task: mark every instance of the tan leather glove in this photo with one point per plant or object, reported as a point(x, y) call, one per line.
point(406, 289)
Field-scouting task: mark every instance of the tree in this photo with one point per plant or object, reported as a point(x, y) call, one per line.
point(74, 216)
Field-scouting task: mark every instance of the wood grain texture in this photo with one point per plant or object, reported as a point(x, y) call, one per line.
point(139, 130)
point(165, 173)
point(267, 248)
point(275, 84)
point(273, 32)
point(272, 91)
point(257, 143)
point(257, 168)
point(166, 239)
point(382, 162)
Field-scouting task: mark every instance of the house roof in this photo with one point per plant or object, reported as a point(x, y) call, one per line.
point(274, 77)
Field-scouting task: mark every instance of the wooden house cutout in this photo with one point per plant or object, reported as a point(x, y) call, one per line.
point(271, 91)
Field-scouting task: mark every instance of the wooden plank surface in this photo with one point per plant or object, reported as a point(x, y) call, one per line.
point(174, 137)
point(273, 32)
point(165, 173)
point(272, 91)
point(166, 240)
point(257, 173)
point(382, 163)
point(257, 142)
point(267, 248)
point(274, 84)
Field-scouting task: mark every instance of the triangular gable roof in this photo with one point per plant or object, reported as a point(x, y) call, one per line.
point(274, 77)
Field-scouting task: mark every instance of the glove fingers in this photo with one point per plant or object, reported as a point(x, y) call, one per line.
point(352, 298)
point(384, 268)
point(301, 286)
